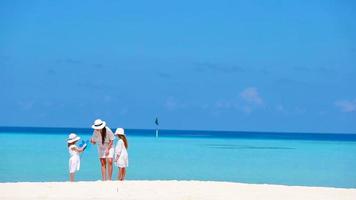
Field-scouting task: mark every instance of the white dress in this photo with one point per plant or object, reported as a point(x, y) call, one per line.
point(74, 160)
point(103, 147)
point(121, 152)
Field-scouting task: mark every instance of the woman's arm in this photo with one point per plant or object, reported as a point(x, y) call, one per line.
point(93, 138)
point(109, 147)
point(110, 144)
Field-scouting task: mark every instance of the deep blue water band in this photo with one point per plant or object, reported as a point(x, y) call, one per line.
point(192, 133)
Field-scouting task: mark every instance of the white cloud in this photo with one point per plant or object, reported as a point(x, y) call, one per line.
point(300, 110)
point(123, 111)
point(247, 101)
point(223, 104)
point(280, 108)
point(26, 105)
point(172, 103)
point(247, 109)
point(204, 106)
point(107, 99)
point(251, 96)
point(290, 110)
point(346, 105)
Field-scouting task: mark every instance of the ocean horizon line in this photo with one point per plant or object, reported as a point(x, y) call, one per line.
point(193, 133)
point(165, 129)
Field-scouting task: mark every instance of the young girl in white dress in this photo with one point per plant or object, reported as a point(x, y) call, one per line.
point(121, 156)
point(74, 150)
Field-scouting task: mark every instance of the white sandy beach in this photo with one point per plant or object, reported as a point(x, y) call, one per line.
point(164, 190)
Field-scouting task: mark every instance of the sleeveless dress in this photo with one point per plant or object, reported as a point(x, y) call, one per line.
point(120, 149)
point(103, 147)
point(74, 160)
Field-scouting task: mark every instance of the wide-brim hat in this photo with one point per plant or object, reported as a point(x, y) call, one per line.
point(98, 124)
point(73, 138)
point(120, 131)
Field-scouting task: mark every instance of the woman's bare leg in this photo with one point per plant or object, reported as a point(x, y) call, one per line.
point(122, 173)
point(119, 174)
point(110, 168)
point(71, 176)
point(103, 168)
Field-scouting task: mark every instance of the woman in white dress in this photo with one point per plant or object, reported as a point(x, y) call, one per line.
point(104, 137)
point(121, 156)
point(74, 160)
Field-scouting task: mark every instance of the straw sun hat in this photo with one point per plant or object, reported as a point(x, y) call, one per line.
point(119, 131)
point(73, 138)
point(98, 124)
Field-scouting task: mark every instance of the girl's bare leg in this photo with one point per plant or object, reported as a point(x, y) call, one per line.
point(103, 168)
point(110, 168)
point(71, 176)
point(123, 173)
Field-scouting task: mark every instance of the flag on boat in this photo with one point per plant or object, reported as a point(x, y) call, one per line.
point(156, 121)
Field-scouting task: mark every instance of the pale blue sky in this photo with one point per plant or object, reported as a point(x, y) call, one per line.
point(203, 65)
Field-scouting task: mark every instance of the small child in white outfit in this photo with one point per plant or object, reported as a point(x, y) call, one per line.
point(74, 160)
point(121, 158)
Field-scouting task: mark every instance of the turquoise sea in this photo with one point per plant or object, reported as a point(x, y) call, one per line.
point(40, 154)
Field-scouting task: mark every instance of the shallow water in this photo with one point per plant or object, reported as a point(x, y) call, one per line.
point(35, 156)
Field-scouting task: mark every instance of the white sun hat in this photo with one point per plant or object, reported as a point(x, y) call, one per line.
point(98, 124)
point(119, 131)
point(73, 138)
